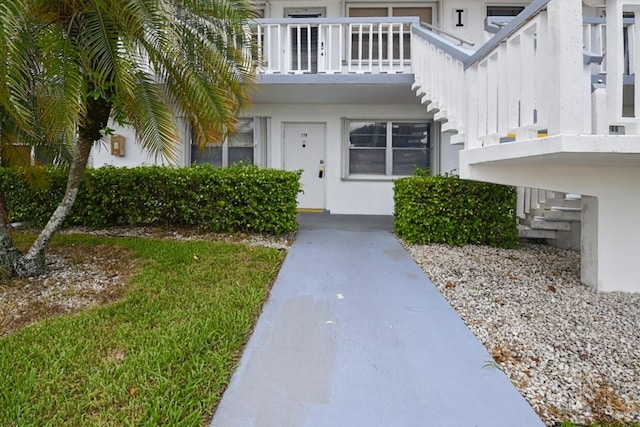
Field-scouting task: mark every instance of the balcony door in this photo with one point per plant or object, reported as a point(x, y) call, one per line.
point(360, 43)
point(303, 39)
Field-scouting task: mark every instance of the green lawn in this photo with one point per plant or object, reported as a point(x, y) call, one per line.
point(161, 355)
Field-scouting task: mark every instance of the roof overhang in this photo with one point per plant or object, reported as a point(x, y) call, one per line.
point(366, 89)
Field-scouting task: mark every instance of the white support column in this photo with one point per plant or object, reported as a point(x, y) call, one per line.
point(567, 107)
point(618, 240)
point(589, 242)
point(634, 48)
point(471, 107)
point(599, 123)
point(514, 83)
point(615, 63)
point(611, 236)
point(503, 90)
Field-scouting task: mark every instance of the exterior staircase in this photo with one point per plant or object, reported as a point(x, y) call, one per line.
point(550, 216)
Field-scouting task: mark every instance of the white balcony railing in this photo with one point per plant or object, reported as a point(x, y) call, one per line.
point(334, 45)
point(534, 78)
point(438, 68)
point(595, 41)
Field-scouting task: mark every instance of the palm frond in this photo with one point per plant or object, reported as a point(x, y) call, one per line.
point(150, 114)
point(60, 87)
point(16, 64)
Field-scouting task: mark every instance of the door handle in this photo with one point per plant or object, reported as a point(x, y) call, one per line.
point(321, 173)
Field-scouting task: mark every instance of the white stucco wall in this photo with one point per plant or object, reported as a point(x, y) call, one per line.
point(475, 11)
point(343, 196)
point(448, 155)
point(135, 155)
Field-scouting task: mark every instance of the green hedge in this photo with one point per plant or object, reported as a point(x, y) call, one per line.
point(447, 209)
point(241, 198)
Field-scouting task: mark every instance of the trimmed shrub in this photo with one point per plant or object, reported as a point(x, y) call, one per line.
point(237, 199)
point(447, 209)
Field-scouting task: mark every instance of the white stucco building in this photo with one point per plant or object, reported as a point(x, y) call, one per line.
point(537, 94)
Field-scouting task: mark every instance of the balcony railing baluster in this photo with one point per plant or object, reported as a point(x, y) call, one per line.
point(309, 46)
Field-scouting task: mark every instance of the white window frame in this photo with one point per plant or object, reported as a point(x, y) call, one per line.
point(503, 5)
point(260, 133)
point(390, 6)
point(346, 148)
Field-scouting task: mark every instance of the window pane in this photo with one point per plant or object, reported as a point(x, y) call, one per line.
point(240, 154)
point(367, 161)
point(243, 136)
point(368, 12)
point(504, 10)
point(368, 134)
point(307, 44)
point(405, 161)
point(211, 154)
point(424, 13)
point(360, 45)
point(414, 135)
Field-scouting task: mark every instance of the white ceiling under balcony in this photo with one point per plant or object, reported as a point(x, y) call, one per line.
point(567, 163)
point(391, 89)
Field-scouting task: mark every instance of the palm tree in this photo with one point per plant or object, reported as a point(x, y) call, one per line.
point(68, 66)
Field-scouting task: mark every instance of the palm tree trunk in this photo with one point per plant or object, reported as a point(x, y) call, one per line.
point(33, 262)
point(8, 253)
point(97, 115)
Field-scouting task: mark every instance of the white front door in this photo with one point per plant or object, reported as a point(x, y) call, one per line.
point(304, 148)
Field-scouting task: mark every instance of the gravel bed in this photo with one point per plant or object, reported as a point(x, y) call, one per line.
point(571, 351)
point(277, 242)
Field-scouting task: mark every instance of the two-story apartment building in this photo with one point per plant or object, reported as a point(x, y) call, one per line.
point(335, 99)
point(538, 94)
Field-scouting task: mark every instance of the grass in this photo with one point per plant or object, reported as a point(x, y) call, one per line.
point(161, 355)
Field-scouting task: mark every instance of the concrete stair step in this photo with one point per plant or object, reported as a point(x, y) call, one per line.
point(561, 215)
point(564, 203)
point(525, 232)
point(539, 223)
point(565, 209)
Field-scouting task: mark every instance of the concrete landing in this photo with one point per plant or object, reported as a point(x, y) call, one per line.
point(354, 334)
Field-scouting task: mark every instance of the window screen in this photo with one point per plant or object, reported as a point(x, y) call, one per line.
point(504, 10)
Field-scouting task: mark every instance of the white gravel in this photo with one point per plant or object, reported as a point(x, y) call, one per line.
point(572, 352)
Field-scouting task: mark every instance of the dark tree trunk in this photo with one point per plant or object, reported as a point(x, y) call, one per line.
point(8, 253)
point(33, 263)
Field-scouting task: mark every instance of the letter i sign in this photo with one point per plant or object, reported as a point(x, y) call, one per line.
point(459, 17)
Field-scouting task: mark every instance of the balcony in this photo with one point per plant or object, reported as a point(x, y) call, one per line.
point(334, 60)
point(334, 45)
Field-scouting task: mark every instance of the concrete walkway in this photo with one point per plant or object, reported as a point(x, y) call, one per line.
point(354, 334)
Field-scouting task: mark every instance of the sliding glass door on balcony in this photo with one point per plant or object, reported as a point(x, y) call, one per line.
point(303, 42)
point(303, 39)
point(385, 43)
